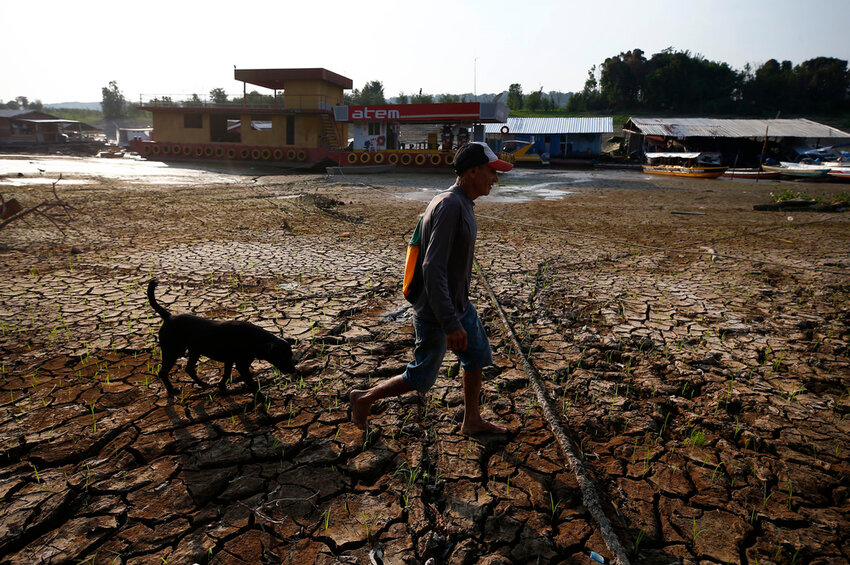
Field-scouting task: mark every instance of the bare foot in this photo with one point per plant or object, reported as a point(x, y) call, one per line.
point(359, 411)
point(481, 426)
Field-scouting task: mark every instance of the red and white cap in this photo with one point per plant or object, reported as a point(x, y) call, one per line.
point(478, 153)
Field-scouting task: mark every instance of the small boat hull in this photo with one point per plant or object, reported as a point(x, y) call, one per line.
point(841, 175)
point(749, 174)
point(689, 172)
point(797, 172)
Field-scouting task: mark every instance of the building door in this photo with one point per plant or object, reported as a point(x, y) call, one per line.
point(290, 130)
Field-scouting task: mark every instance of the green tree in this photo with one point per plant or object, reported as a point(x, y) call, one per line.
point(36, 105)
point(421, 98)
point(218, 96)
point(589, 98)
point(450, 98)
point(622, 79)
point(678, 81)
point(23, 101)
point(823, 83)
point(13, 105)
point(372, 93)
point(534, 101)
point(254, 98)
point(514, 101)
point(113, 102)
point(403, 98)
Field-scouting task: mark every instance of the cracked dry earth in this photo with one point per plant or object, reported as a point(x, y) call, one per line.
point(706, 395)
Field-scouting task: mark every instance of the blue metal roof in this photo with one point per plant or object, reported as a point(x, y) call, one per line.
point(553, 126)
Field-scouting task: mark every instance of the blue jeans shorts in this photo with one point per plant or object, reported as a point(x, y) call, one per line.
point(430, 349)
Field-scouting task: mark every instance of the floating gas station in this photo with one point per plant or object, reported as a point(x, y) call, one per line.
point(305, 123)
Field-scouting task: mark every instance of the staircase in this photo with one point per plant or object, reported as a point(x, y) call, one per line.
point(329, 137)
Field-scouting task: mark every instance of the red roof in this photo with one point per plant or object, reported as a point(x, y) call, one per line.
point(277, 78)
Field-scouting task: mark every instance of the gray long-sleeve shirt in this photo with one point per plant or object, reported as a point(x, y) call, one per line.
point(447, 246)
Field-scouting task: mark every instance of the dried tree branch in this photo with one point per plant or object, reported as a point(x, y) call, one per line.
point(42, 208)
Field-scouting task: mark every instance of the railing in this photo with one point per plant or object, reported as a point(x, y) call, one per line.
point(251, 101)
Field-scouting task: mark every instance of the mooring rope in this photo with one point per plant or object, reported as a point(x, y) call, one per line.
point(588, 492)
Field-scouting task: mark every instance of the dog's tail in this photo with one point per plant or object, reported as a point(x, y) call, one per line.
point(163, 313)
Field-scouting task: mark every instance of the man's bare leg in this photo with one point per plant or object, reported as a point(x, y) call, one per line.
point(473, 423)
point(362, 400)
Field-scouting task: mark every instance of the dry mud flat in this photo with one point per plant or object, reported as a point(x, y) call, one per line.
point(702, 378)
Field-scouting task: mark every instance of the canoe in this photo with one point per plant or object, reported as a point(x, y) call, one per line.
point(750, 174)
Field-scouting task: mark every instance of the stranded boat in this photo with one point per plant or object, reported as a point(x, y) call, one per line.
point(693, 165)
point(756, 174)
point(797, 170)
point(523, 153)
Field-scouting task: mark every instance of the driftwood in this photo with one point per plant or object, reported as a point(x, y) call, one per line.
point(56, 211)
point(801, 205)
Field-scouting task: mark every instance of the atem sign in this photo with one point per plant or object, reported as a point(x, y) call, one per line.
point(366, 113)
point(433, 113)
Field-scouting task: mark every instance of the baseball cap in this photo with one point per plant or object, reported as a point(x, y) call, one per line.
point(477, 153)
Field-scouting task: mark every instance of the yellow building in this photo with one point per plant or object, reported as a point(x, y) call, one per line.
point(294, 125)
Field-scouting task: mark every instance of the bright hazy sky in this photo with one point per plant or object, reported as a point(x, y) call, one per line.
point(61, 51)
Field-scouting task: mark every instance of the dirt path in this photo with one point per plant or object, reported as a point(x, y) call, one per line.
point(698, 361)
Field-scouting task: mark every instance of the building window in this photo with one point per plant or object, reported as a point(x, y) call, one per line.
point(374, 128)
point(193, 121)
point(225, 128)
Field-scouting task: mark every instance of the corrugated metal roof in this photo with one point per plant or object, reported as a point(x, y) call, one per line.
point(711, 127)
point(9, 113)
point(548, 126)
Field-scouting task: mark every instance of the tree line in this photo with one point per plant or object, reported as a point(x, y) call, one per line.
point(22, 103)
point(668, 81)
point(373, 93)
point(678, 81)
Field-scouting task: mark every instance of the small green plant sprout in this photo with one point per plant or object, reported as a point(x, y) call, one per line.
point(326, 519)
point(369, 524)
point(697, 438)
point(367, 441)
point(790, 493)
point(738, 427)
point(640, 536)
point(411, 476)
point(793, 394)
point(695, 532)
point(553, 506)
point(664, 426)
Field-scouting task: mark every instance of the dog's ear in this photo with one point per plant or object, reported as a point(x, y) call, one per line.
point(290, 341)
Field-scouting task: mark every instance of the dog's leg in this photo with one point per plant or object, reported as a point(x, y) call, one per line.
point(169, 358)
point(191, 364)
point(228, 368)
point(251, 383)
point(245, 373)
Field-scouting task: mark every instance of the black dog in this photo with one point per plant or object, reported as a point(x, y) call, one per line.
point(233, 343)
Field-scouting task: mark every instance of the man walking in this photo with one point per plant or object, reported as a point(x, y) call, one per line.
point(443, 316)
